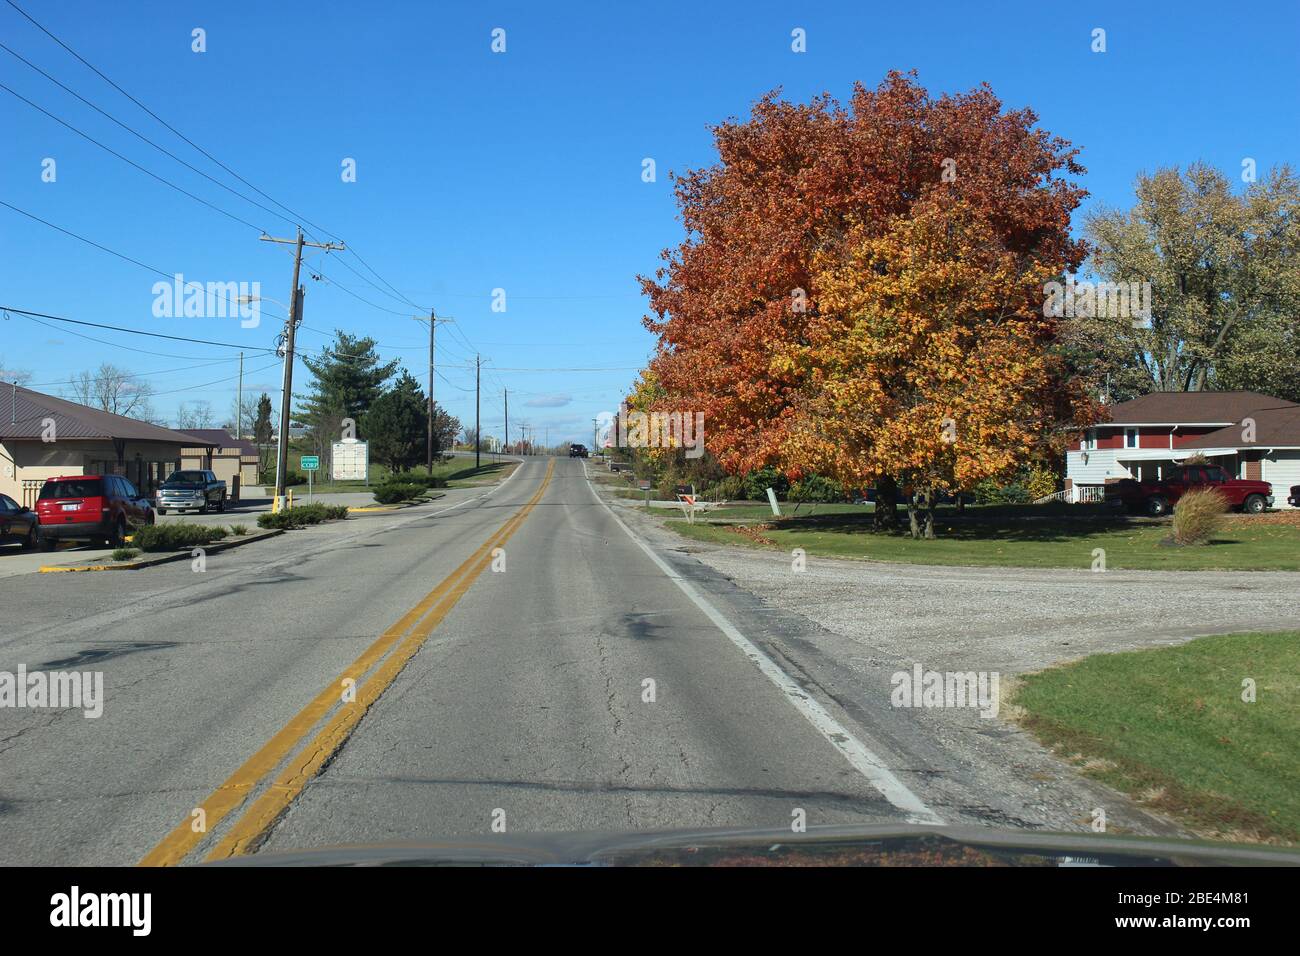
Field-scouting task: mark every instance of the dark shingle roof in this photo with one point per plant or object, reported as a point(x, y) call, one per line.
point(1193, 408)
point(23, 412)
point(1273, 428)
point(220, 438)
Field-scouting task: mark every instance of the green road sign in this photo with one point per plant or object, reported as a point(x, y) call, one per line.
point(310, 463)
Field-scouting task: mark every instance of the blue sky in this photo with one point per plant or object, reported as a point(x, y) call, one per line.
point(519, 171)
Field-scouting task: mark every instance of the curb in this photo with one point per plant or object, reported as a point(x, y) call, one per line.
point(397, 507)
point(161, 559)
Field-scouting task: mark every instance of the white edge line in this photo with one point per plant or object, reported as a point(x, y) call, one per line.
point(852, 749)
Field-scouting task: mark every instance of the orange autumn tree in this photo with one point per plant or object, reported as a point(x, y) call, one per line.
point(930, 359)
point(893, 251)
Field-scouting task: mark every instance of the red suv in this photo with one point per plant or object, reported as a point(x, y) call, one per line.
point(94, 507)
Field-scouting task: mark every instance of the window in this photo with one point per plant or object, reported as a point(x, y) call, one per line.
point(1130, 438)
point(73, 488)
point(7, 503)
point(1090, 439)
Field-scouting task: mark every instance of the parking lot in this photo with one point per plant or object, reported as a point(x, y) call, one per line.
point(13, 560)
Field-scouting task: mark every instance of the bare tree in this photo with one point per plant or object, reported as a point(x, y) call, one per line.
point(115, 390)
point(200, 416)
point(19, 376)
point(242, 421)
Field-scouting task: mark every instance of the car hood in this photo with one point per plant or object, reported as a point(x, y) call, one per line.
point(878, 845)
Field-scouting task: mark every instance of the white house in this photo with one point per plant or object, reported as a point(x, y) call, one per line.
point(1249, 434)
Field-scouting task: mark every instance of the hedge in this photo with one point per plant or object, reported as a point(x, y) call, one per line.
point(174, 536)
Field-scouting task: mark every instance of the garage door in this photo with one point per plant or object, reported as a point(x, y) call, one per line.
point(1283, 472)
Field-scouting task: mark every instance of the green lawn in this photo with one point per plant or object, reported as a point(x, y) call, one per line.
point(459, 472)
point(989, 539)
point(1169, 726)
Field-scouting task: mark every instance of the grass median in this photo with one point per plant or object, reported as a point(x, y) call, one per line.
point(1169, 726)
point(1246, 543)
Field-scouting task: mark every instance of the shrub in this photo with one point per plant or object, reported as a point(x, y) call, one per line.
point(173, 537)
point(816, 488)
point(726, 489)
point(417, 478)
point(123, 554)
point(990, 492)
point(1040, 483)
point(277, 520)
point(757, 482)
point(1198, 515)
point(392, 492)
point(302, 515)
point(239, 530)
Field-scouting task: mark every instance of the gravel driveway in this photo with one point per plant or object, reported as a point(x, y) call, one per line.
point(848, 627)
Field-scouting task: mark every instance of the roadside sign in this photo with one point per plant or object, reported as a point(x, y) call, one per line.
point(310, 463)
point(350, 461)
point(643, 485)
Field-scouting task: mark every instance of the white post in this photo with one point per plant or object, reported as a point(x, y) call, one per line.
point(771, 498)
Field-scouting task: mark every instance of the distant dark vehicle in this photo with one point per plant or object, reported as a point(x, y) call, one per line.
point(195, 489)
point(1157, 498)
point(1293, 499)
point(577, 451)
point(18, 523)
point(90, 507)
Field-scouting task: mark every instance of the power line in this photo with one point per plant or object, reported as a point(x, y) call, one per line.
point(141, 136)
point(297, 217)
point(103, 248)
point(230, 378)
point(132, 162)
point(173, 129)
point(118, 328)
point(151, 372)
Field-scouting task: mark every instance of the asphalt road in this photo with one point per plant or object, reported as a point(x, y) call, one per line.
point(526, 705)
point(530, 657)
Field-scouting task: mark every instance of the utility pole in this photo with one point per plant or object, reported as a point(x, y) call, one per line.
point(506, 446)
point(239, 400)
point(478, 435)
point(595, 427)
point(433, 321)
point(296, 294)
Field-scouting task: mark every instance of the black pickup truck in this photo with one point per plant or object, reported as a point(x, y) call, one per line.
point(186, 490)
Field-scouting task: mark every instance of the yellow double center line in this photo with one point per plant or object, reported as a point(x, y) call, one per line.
point(420, 621)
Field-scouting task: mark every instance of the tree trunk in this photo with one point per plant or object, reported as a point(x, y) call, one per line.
point(920, 514)
point(886, 513)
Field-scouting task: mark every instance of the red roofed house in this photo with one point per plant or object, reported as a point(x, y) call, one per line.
point(1249, 434)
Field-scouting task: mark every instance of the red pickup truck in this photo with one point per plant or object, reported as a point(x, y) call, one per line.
point(1156, 498)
